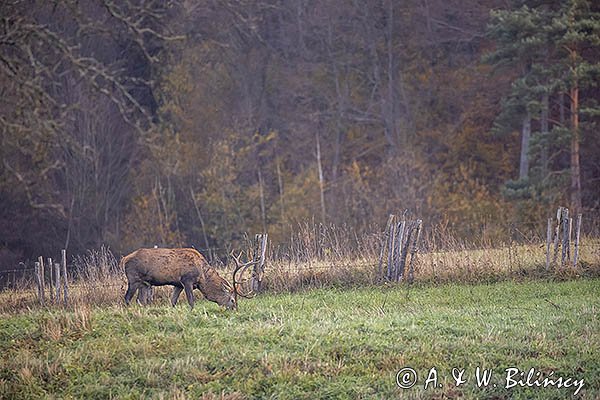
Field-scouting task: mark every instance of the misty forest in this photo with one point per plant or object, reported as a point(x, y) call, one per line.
point(190, 123)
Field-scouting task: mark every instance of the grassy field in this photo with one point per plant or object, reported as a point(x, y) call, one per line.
point(325, 343)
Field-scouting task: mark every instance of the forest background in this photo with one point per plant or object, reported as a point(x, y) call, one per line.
point(139, 123)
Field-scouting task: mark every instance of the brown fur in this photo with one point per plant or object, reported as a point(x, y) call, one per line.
point(184, 269)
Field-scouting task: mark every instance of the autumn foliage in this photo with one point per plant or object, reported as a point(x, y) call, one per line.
point(135, 124)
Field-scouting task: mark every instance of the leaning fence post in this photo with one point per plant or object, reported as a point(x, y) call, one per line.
point(565, 239)
point(548, 243)
point(577, 232)
point(398, 251)
point(64, 274)
point(413, 251)
point(404, 251)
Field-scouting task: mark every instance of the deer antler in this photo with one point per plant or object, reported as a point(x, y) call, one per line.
point(242, 267)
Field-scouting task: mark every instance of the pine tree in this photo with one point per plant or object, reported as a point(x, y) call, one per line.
point(555, 47)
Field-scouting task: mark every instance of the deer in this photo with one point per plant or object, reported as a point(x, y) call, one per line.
point(185, 269)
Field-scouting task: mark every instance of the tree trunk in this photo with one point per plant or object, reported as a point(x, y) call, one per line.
point(202, 226)
point(575, 167)
point(321, 179)
point(280, 184)
point(387, 96)
point(526, 135)
point(544, 131)
point(263, 212)
point(341, 100)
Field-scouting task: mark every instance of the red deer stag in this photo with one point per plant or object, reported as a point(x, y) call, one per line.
point(184, 269)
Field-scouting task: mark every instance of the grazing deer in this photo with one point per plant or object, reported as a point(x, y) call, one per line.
point(185, 270)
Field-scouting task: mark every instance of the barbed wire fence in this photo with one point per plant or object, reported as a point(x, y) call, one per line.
point(395, 254)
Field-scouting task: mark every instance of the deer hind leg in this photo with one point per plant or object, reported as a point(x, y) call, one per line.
point(145, 294)
point(188, 287)
point(150, 294)
point(132, 287)
point(176, 292)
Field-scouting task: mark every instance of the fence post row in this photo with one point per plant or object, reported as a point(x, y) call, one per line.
point(57, 274)
point(563, 236)
point(399, 246)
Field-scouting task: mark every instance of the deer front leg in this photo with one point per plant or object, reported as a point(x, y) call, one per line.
point(188, 287)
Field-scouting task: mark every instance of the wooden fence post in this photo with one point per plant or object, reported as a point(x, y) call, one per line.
point(57, 281)
point(64, 277)
point(577, 233)
point(391, 246)
point(559, 214)
point(38, 281)
point(42, 280)
point(413, 250)
point(400, 240)
point(259, 267)
point(263, 260)
point(565, 238)
point(570, 239)
point(548, 243)
point(51, 281)
point(404, 251)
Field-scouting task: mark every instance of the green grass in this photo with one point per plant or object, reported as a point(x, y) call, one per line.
point(315, 344)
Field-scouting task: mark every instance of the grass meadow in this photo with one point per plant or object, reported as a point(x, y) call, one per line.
point(314, 344)
point(326, 327)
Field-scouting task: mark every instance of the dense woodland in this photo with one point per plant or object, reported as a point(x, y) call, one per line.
point(134, 123)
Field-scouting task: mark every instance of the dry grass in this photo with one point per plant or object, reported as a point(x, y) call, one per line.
point(464, 265)
point(320, 257)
